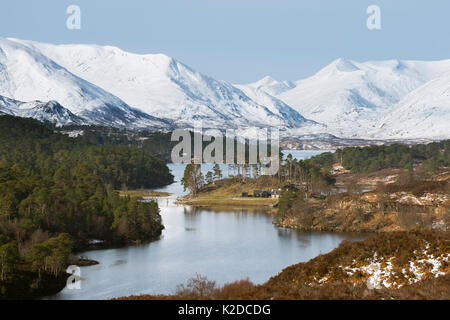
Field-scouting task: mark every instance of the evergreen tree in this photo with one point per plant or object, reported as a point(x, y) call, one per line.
point(9, 257)
point(192, 178)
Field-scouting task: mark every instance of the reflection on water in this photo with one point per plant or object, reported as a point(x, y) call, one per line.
point(302, 237)
point(224, 245)
point(118, 263)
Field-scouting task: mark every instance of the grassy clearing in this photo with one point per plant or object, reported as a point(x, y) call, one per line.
point(228, 193)
point(211, 201)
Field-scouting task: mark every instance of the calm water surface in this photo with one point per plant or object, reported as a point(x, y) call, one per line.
point(224, 245)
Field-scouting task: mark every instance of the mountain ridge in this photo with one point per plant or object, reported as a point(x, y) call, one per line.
point(350, 98)
point(28, 75)
point(106, 85)
point(164, 87)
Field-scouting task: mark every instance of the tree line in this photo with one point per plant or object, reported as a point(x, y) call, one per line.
point(303, 174)
point(42, 150)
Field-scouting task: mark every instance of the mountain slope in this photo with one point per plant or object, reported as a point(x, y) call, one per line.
point(28, 75)
point(425, 112)
point(50, 111)
point(275, 105)
point(164, 87)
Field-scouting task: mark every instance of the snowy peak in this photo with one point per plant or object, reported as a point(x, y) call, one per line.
point(27, 74)
point(351, 97)
point(270, 85)
point(354, 99)
point(339, 66)
point(50, 111)
point(167, 88)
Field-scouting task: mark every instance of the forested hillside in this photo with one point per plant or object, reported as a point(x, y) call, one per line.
point(373, 158)
point(41, 150)
point(58, 193)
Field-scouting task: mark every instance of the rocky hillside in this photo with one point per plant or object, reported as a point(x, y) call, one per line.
point(398, 201)
point(389, 266)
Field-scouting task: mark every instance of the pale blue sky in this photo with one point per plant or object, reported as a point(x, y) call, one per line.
point(242, 41)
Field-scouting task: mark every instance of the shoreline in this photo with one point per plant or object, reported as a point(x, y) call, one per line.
point(346, 273)
point(146, 194)
point(234, 202)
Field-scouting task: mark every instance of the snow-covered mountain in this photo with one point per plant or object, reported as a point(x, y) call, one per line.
point(164, 87)
point(271, 86)
point(275, 105)
point(351, 98)
point(105, 85)
point(50, 111)
point(26, 74)
point(425, 112)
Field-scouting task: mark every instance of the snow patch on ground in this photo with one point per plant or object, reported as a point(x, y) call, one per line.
point(424, 200)
point(380, 272)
